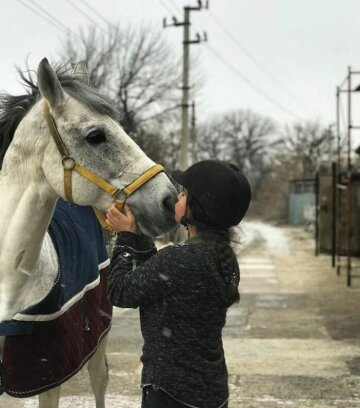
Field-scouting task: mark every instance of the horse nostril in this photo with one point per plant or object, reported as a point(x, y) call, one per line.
point(169, 203)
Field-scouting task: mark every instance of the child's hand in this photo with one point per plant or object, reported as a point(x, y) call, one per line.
point(121, 221)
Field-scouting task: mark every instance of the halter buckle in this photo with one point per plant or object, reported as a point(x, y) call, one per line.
point(68, 163)
point(119, 204)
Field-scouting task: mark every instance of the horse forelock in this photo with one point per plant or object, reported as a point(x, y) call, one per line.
point(13, 108)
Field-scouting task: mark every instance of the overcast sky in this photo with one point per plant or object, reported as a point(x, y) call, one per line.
point(280, 58)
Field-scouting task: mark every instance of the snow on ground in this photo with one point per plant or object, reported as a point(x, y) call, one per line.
point(276, 239)
point(249, 232)
point(85, 401)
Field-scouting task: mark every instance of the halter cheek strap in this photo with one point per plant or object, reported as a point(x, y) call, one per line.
point(69, 165)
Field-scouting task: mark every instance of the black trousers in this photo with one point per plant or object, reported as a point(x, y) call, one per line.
point(155, 398)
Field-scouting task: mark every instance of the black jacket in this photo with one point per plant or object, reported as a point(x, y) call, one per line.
point(181, 296)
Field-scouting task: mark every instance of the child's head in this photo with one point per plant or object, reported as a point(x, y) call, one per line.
point(218, 194)
point(217, 198)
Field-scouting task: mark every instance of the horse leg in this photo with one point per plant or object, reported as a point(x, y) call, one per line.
point(50, 399)
point(98, 372)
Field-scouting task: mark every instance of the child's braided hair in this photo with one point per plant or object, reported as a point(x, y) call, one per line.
point(225, 255)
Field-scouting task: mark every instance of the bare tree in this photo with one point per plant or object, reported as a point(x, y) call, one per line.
point(133, 66)
point(98, 50)
point(308, 146)
point(147, 77)
point(211, 143)
point(242, 137)
point(303, 150)
point(249, 135)
point(161, 141)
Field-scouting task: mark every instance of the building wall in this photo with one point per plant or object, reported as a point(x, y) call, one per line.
point(302, 202)
point(326, 215)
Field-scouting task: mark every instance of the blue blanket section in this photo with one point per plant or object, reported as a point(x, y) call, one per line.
point(78, 239)
point(14, 328)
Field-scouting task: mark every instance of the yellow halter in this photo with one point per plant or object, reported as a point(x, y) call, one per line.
point(70, 165)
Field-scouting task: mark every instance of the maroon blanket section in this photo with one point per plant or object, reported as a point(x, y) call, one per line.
point(57, 349)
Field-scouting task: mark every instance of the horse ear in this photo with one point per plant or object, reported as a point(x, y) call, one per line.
point(81, 72)
point(49, 85)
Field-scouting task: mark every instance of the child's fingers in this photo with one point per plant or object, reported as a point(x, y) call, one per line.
point(127, 210)
point(109, 223)
point(113, 210)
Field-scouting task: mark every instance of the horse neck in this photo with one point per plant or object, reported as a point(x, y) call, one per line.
point(27, 265)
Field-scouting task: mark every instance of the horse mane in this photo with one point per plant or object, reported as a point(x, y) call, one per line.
point(13, 108)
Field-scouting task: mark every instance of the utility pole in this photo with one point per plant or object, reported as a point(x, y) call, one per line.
point(187, 41)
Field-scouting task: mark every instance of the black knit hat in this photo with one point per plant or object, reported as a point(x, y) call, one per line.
point(221, 189)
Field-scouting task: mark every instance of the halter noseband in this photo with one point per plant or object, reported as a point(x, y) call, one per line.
point(70, 165)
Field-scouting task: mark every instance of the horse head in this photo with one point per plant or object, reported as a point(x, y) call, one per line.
point(93, 138)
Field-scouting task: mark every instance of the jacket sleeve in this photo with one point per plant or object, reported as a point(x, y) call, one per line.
point(138, 275)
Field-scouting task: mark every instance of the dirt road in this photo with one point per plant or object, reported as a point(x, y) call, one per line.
point(293, 340)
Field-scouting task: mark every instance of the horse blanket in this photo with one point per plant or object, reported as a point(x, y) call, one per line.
point(53, 339)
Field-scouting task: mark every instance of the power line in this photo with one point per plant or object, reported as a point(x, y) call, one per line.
point(250, 56)
point(97, 13)
point(175, 6)
point(86, 15)
point(255, 61)
point(42, 16)
point(68, 30)
point(168, 9)
point(218, 55)
point(46, 16)
point(250, 83)
point(242, 76)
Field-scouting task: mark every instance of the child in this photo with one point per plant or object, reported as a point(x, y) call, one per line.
point(184, 290)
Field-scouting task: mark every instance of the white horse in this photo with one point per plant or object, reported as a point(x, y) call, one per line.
point(32, 179)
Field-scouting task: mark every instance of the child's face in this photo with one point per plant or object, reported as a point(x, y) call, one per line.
point(180, 207)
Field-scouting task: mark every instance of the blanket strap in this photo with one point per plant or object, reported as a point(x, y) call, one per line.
point(16, 328)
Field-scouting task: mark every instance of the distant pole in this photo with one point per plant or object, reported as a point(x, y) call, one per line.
point(339, 227)
point(349, 186)
point(193, 134)
point(184, 143)
point(185, 96)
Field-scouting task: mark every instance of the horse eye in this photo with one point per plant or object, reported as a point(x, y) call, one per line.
point(96, 137)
